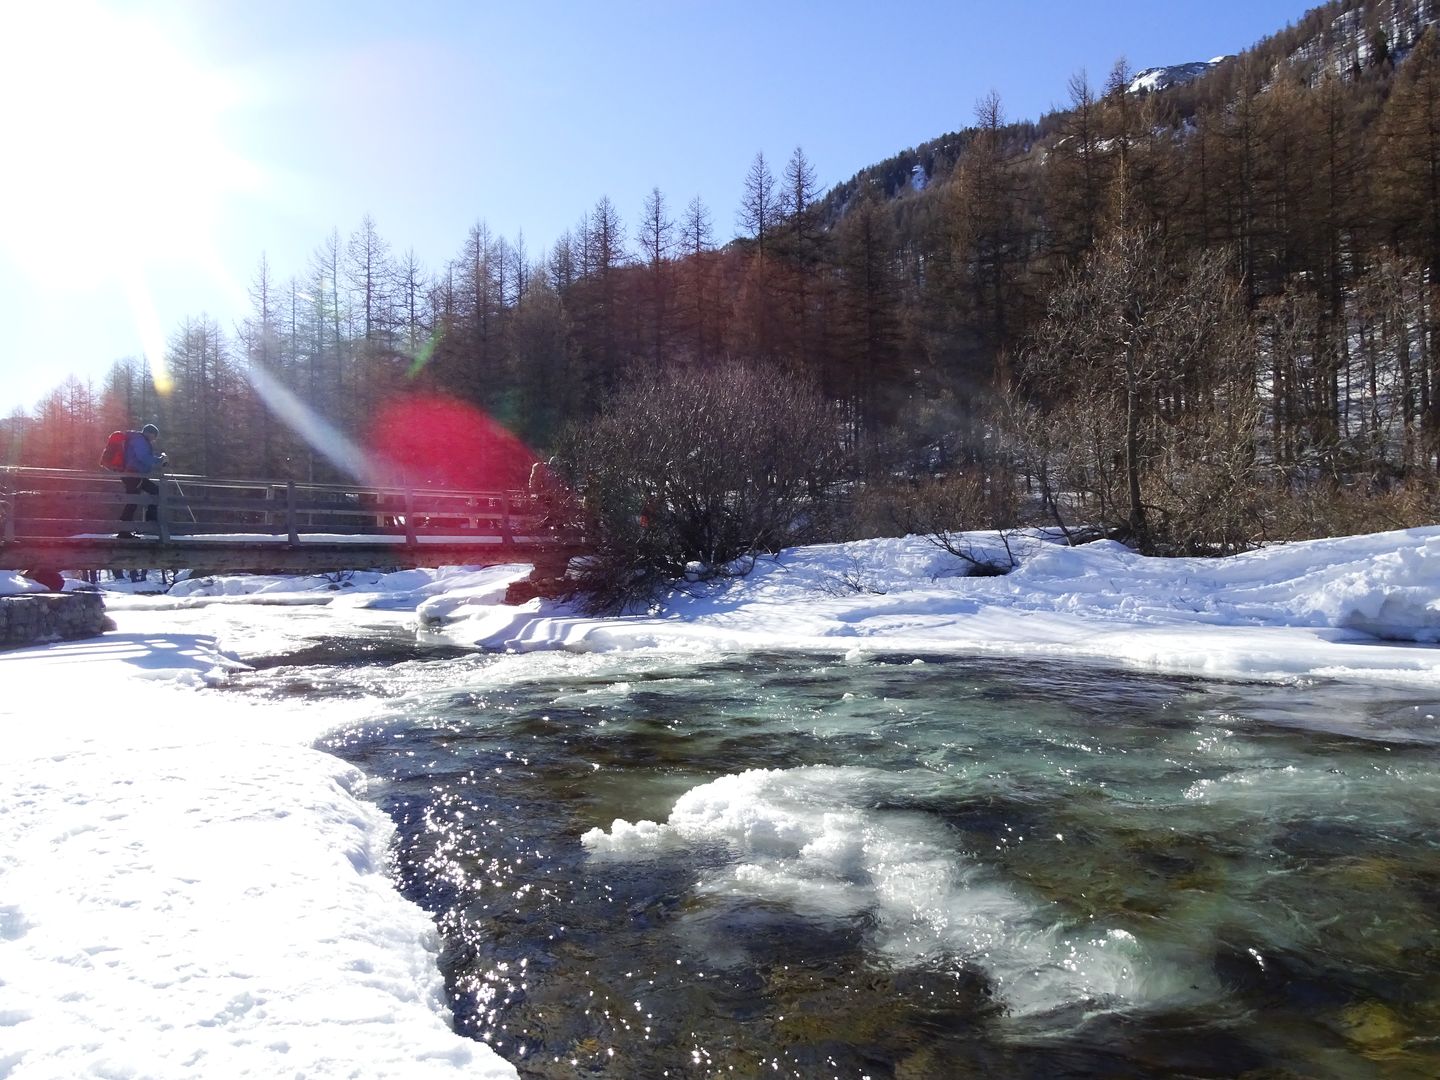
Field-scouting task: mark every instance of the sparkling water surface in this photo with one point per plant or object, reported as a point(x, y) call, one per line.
point(769, 865)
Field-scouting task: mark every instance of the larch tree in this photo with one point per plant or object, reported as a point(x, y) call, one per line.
point(370, 276)
point(982, 227)
point(412, 283)
point(328, 370)
point(1409, 185)
point(519, 271)
point(477, 367)
point(800, 244)
point(698, 293)
point(1075, 179)
point(547, 386)
point(596, 297)
point(866, 377)
point(759, 204)
point(656, 238)
point(260, 340)
point(560, 268)
point(207, 389)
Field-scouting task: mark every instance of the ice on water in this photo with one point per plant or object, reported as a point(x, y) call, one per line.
point(807, 838)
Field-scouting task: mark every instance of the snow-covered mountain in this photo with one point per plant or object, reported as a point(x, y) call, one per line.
point(1342, 38)
point(1162, 78)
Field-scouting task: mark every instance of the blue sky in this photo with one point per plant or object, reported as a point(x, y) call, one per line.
point(158, 148)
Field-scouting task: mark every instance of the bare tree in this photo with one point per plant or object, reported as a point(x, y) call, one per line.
point(696, 245)
point(595, 299)
point(1149, 346)
point(370, 275)
point(412, 283)
point(760, 207)
point(801, 248)
point(1075, 179)
point(656, 237)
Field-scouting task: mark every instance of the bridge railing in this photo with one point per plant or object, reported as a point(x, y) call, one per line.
point(63, 503)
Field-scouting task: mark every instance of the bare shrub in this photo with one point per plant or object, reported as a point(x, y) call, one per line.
point(1317, 511)
point(1143, 373)
point(689, 476)
point(944, 509)
point(856, 577)
point(1207, 491)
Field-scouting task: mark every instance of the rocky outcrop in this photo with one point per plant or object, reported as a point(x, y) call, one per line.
point(547, 580)
point(31, 618)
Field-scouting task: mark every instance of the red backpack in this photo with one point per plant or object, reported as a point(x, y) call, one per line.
point(113, 456)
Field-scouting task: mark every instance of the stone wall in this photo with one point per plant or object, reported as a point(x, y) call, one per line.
point(31, 618)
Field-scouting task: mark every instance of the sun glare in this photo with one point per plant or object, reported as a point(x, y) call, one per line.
point(117, 164)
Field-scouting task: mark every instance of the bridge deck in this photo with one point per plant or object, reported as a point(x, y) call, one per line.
point(63, 519)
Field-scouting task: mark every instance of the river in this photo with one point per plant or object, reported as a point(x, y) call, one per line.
point(659, 865)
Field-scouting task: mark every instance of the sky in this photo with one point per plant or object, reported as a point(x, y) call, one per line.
point(200, 891)
point(158, 149)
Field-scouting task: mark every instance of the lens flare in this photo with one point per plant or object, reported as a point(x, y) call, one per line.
point(420, 440)
point(423, 357)
point(322, 436)
point(427, 440)
point(142, 308)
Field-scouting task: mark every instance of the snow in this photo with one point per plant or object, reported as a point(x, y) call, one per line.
point(796, 849)
point(188, 888)
point(1162, 78)
point(11, 583)
point(1320, 609)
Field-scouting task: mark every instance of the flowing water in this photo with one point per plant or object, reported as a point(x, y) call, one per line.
point(770, 865)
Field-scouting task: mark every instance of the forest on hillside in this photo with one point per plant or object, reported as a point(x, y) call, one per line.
point(1204, 316)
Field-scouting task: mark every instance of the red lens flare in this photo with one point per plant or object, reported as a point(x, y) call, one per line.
point(439, 442)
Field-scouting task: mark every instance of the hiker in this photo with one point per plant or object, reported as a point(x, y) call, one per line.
point(140, 457)
point(549, 498)
point(541, 485)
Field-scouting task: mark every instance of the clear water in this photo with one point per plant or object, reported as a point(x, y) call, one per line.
point(892, 869)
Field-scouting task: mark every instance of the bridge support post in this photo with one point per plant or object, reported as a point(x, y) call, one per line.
point(292, 528)
point(409, 502)
point(162, 512)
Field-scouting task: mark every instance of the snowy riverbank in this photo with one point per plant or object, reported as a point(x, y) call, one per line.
point(1353, 607)
point(187, 888)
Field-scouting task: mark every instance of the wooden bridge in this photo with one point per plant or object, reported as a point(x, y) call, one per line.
point(61, 519)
